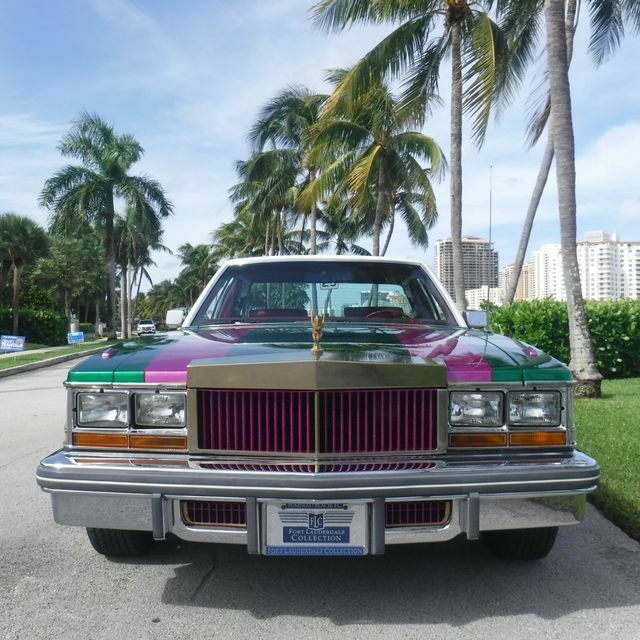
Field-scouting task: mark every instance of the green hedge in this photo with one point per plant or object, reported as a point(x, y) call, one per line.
point(42, 327)
point(615, 327)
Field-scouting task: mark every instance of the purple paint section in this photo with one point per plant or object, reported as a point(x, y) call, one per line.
point(462, 360)
point(170, 365)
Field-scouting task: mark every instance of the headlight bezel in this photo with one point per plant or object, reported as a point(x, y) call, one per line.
point(101, 425)
point(146, 424)
point(496, 423)
point(529, 423)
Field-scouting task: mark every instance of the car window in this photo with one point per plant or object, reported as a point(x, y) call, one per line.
point(345, 292)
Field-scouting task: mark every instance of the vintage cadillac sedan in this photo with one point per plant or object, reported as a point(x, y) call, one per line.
point(321, 406)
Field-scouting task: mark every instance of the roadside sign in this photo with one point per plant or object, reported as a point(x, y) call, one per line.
point(75, 337)
point(12, 343)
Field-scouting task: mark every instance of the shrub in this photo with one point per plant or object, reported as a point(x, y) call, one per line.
point(42, 327)
point(87, 327)
point(615, 328)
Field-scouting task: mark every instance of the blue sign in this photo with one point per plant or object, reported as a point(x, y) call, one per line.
point(12, 343)
point(75, 337)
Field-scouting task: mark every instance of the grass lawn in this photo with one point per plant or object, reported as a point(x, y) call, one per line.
point(25, 358)
point(609, 430)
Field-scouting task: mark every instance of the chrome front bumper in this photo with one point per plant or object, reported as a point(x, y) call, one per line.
point(143, 493)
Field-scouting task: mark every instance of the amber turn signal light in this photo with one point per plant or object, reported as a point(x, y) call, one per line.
point(478, 440)
point(158, 442)
point(538, 439)
point(112, 440)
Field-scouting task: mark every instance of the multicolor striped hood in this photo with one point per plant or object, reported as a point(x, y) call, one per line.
point(468, 355)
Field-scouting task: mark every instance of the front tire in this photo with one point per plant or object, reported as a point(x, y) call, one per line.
point(117, 543)
point(521, 544)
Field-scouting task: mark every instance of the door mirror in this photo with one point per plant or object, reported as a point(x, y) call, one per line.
point(174, 318)
point(477, 319)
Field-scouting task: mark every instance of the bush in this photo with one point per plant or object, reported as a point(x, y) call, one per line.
point(615, 328)
point(87, 327)
point(42, 327)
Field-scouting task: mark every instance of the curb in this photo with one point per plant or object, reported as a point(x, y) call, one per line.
point(40, 364)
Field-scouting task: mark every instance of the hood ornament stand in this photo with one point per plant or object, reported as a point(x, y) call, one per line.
point(317, 324)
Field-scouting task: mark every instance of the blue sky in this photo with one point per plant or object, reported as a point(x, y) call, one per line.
point(188, 77)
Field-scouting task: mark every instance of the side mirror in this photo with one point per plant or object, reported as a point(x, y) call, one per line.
point(174, 318)
point(477, 319)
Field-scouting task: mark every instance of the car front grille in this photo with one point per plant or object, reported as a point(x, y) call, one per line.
point(418, 513)
point(324, 422)
point(214, 514)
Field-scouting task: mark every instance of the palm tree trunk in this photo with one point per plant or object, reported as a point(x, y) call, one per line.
point(67, 302)
point(266, 241)
point(536, 196)
point(111, 264)
point(314, 220)
point(4, 275)
point(123, 301)
point(456, 165)
point(381, 204)
point(582, 358)
point(130, 282)
point(17, 276)
point(543, 172)
point(392, 224)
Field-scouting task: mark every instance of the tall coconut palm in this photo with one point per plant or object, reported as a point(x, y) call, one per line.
point(137, 233)
point(5, 257)
point(286, 121)
point(582, 357)
point(88, 192)
point(369, 151)
point(268, 189)
point(24, 242)
point(199, 265)
point(608, 20)
point(484, 72)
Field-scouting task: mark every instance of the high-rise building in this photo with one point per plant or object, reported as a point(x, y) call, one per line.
point(476, 297)
point(547, 268)
point(609, 268)
point(480, 262)
point(526, 281)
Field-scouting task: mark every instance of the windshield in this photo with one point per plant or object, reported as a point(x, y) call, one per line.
point(342, 291)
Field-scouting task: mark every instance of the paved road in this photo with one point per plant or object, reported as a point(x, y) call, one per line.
point(52, 585)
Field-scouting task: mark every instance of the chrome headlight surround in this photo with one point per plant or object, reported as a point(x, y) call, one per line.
point(102, 410)
point(476, 408)
point(535, 408)
point(160, 409)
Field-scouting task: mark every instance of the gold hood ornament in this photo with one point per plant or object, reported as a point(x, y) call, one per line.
point(317, 325)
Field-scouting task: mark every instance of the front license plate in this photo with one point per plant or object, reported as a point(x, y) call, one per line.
point(315, 529)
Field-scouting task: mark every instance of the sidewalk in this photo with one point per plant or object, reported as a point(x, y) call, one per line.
point(13, 354)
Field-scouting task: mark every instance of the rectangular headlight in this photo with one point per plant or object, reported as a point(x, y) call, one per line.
point(103, 410)
point(475, 409)
point(160, 409)
point(538, 408)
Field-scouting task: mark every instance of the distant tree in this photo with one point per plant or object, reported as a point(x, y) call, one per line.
point(87, 192)
point(24, 241)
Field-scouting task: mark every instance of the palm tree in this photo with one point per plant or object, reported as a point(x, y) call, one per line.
point(483, 71)
point(286, 121)
point(582, 360)
point(268, 189)
point(87, 192)
point(137, 233)
point(199, 266)
point(24, 241)
point(607, 26)
point(68, 266)
point(5, 257)
point(369, 152)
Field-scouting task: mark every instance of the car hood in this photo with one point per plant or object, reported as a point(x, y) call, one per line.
point(467, 355)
